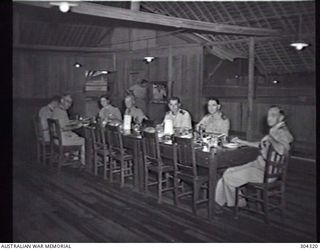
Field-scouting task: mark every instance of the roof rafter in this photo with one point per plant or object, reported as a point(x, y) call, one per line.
point(142, 17)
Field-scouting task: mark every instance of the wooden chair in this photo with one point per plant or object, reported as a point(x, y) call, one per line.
point(100, 149)
point(43, 147)
point(61, 154)
point(120, 161)
point(186, 171)
point(268, 195)
point(153, 164)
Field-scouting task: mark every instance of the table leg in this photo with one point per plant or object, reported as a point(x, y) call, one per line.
point(213, 166)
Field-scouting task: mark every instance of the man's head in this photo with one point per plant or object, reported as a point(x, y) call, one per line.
point(275, 116)
point(213, 105)
point(104, 101)
point(129, 101)
point(174, 104)
point(66, 101)
point(54, 101)
point(143, 83)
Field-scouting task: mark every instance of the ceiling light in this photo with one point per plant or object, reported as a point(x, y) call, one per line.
point(149, 59)
point(299, 45)
point(275, 81)
point(77, 65)
point(64, 6)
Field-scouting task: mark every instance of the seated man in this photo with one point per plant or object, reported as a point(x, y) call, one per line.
point(280, 138)
point(137, 114)
point(181, 118)
point(108, 113)
point(68, 137)
point(45, 113)
point(215, 121)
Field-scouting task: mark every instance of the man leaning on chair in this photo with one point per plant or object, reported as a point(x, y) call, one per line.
point(280, 138)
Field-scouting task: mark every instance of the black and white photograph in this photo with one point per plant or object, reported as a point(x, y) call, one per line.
point(164, 122)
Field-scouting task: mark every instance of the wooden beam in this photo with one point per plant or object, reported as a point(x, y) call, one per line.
point(149, 18)
point(251, 88)
point(215, 69)
point(170, 71)
point(67, 49)
point(135, 5)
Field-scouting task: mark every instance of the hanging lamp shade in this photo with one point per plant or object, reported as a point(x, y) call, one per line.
point(299, 44)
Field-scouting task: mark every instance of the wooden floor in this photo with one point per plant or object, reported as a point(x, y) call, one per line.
point(73, 206)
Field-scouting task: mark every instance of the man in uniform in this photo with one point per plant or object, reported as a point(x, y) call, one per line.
point(215, 121)
point(180, 118)
point(137, 114)
point(280, 138)
point(108, 113)
point(139, 91)
point(45, 113)
point(68, 137)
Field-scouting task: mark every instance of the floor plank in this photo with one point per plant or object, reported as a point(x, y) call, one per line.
point(73, 206)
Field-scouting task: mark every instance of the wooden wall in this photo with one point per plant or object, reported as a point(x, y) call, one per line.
point(294, 93)
point(42, 74)
point(187, 63)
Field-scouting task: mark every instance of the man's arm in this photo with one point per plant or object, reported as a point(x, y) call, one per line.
point(246, 143)
point(187, 121)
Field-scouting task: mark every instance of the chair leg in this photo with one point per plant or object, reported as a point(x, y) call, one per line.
point(236, 205)
point(95, 164)
point(283, 206)
point(52, 157)
point(160, 187)
point(122, 170)
point(176, 190)
point(265, 207)
point(146, 180)
point(105, 167)
point(195, 197)
point(112, 162)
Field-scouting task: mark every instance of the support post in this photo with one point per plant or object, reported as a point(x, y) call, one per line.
point(170, 62)
point(251, 85)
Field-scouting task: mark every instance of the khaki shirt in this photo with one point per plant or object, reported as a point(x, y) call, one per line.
point(215, 123)
point(45, 113)
point(136, 113)
point(62, 115)
point(181, 120)
point(139, 91)
point(279, 133)
point(110, 113)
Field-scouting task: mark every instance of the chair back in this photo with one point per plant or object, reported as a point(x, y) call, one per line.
point(114, 138)
point(185, 157)
point(54, 132)
point(98, 136)
point(276, 165)
point(151, 148)
point(38, 128)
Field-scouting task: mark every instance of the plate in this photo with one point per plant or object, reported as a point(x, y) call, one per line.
point(231, 145)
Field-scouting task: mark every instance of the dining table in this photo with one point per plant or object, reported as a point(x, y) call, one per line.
point(213, 160)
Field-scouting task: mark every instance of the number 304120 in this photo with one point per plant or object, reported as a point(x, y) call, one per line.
point(308, 245)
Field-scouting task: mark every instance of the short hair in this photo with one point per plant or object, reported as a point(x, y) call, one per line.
point(65, 95)
point(281, 111)
point(103, 96)
point(214, 99)
point(55, 98)
point(143, 81)
point(132, 97)
point(174, 98)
